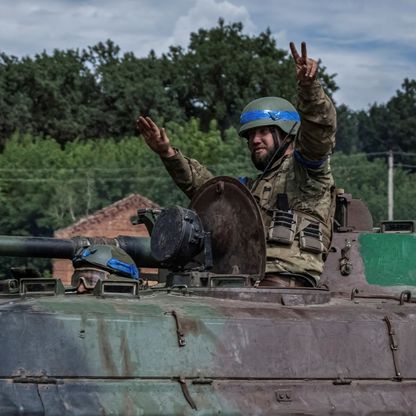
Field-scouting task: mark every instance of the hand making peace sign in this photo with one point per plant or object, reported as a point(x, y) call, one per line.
point(306, 68)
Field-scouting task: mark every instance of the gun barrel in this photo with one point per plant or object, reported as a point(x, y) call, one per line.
point(46, 247)
point(139, 250)
point(56, 248)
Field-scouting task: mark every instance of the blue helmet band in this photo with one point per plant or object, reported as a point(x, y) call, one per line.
point(270, 115)
point(129, 269)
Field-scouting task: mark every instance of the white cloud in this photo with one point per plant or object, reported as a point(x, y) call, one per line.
point(364, 78)
point(343, 20)
point(205, 14)
point(371, 44)
point(27, 28)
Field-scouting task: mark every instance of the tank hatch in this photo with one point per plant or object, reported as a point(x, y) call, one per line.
point(230, 213)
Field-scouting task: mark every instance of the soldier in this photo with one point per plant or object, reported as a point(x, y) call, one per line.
point(101, 262)
point(295, 188)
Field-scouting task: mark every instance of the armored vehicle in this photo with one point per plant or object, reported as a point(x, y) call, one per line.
point(206, 340)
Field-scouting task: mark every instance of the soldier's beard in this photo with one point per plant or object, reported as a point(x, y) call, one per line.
point(261, 161)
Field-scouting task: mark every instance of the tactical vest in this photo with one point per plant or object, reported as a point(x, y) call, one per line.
point(299, 235)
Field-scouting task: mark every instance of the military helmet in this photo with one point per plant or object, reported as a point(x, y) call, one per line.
point(269, 111)
point(105, 258)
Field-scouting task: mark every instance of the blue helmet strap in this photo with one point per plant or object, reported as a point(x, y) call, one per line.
point(279, 152)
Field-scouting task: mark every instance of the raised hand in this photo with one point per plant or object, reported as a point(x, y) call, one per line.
point(306, 68)
point(155, 137)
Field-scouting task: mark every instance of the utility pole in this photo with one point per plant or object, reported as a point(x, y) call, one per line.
point(390, 189)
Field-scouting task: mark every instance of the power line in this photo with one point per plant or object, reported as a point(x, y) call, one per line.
point(404, 153)
point(71, 170)
point(82, 180)
point(403, 165)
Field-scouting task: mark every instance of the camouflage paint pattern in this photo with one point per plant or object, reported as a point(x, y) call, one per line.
point(204, 351)
point(81, 354)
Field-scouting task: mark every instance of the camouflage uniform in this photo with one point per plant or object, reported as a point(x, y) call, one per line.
point(304, 176)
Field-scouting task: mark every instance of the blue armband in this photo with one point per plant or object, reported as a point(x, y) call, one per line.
point(243, 180)
point(310, 164)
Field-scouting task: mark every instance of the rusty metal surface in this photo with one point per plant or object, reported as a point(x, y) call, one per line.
point(359, 216)
point(224, 338)
point(181, 353)
point(335, 278)
point(164, 397)
point(332, 275)
point(122, 356)
point(295, 296)
point(229, 212)
point(352, 214)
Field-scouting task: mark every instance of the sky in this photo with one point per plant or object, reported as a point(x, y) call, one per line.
point(369, 44)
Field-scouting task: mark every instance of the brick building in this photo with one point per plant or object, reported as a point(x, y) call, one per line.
point(111, 221)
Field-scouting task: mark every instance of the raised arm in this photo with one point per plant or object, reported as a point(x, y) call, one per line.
point(316, 138)
point(188, 174)
point(155, 137)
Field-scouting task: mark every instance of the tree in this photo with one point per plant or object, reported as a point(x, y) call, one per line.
point(367, 180)
point(402, 121)
point(49, 95)
point(391, 125)
point(45, 186)
point(223, 69)
point(347, 131)
point(130, 86)
point(98, 92)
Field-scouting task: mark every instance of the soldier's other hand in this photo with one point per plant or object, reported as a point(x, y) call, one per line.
point(306, 68)
point(155, 137)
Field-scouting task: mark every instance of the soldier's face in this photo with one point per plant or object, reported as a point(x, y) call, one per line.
point(81, 288)
point(261, 145)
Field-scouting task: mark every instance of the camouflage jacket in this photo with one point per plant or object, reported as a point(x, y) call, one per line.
point(304, 176)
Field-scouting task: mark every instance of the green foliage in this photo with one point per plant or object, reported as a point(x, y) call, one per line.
point(391, 125)
point(44, 186)
point(67, 126)
point(130, 86)
point(49, 95)
point(26, 165)
point(223, 157)
point(367, 180)
point(98, 92)
point(223, 69)
point(347, 131)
